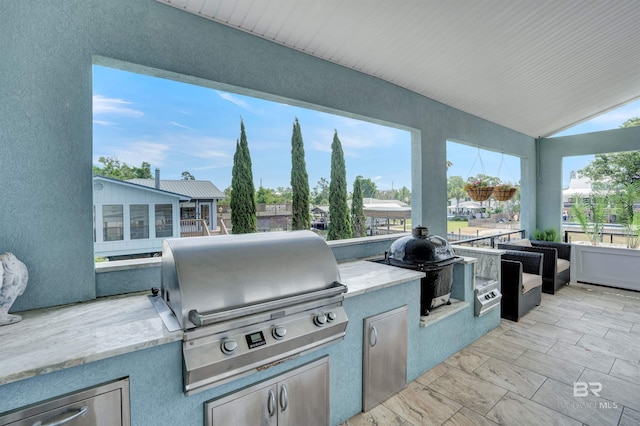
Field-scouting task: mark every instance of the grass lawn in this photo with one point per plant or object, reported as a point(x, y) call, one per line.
point(453, 226)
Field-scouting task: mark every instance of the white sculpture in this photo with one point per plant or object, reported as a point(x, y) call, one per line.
point(13, 281)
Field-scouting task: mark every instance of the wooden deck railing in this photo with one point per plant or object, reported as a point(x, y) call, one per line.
point(194, 228)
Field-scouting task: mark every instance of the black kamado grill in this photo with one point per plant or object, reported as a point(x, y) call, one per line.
point(431, 254)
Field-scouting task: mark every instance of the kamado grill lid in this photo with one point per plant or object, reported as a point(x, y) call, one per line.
point(419, 249)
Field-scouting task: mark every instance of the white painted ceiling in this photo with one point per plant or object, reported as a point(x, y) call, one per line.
point(534, 66)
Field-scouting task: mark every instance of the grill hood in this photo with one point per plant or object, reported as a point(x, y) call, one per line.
point(420, 250)
point(230, 274)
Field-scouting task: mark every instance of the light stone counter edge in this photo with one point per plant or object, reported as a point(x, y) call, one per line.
point(60, 337)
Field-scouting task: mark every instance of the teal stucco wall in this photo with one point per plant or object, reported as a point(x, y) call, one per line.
point(48, 48)
point(156, 373)
point(551, 152)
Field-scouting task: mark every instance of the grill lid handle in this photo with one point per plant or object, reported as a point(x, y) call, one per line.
point(208, 318)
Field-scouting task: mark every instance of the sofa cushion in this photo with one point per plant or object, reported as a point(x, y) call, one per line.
point(530, 281)
point(562, 265)
point(523, 242)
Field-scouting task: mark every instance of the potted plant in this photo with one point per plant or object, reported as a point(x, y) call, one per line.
point(609, 265)
point(479, 190)
point(591, 216)
point(624, 199)
point(549, 234)
point(504, 191)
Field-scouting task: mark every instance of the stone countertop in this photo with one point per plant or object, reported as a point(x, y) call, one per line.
point(60, 337)
point(65, 336)
point(363, 276)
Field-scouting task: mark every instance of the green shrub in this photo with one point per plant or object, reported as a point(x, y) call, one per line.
point(549, 234)
point(459, 219)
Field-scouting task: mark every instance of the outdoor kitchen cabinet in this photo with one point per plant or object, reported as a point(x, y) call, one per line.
point(298, 397)
point(104, 405)
point(385, 356)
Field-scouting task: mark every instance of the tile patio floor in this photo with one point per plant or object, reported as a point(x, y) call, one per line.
point(523, 373)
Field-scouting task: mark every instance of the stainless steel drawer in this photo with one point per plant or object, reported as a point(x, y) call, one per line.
point(104, 405)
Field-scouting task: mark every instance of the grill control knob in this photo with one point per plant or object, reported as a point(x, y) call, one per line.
point(278, 332)
point(320, 320)
point(331, 316)
point(228, 346)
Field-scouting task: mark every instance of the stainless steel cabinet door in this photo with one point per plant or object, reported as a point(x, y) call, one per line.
point(297, 397)
point(104, 405)
point(255, 408)
point(304, 398)
point(385, 356)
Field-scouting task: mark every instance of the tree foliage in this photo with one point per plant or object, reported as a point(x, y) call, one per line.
point(320, 193)
point(358, 220)
point(455, 189)
point(243, 204)
point(619, 168)
point(369, 188)
point(115, 169)
point(299, 181)
point(339, 221)
point(187, 176)
point(267, 196)
point(632, 122)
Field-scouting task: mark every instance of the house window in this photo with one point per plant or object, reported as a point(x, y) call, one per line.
point(164, 220)
point(139, 214)
point(113, 222)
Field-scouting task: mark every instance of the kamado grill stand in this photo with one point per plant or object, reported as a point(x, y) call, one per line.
point(432, 255)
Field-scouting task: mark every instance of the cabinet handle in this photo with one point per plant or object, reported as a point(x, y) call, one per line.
point(65, 418)
point(271, 403)
point(373, 336)
point(284, 398)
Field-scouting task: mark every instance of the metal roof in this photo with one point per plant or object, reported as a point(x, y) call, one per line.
point(136, 185)
point(194, 189)
point(535, 66)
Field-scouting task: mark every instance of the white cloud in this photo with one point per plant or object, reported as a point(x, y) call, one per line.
point(229, 97)
point(213, 154)
point(182, 126)
point(136, 152)
point(104, 123)
point(103, 105)
point(203, 147)
point(376, 178)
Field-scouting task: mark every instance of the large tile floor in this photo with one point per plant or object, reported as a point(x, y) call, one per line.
point(524, 373)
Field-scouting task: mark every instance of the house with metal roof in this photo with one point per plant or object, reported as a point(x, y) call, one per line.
point(202, 203)
point(132, 219)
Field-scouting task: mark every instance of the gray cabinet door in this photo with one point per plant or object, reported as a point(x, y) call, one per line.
point(303, 399)
point(385, 356)
point(297, 397)
point(258, 407)
point(104, 405)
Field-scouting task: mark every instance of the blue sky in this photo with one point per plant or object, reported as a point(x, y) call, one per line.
point(182, 127)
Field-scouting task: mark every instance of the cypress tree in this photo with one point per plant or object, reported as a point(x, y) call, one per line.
point(339, 221)
point(358, 220)
point(299, 181)
point(243, 203)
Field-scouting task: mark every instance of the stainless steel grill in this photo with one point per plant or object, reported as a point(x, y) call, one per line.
point(247, 302)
